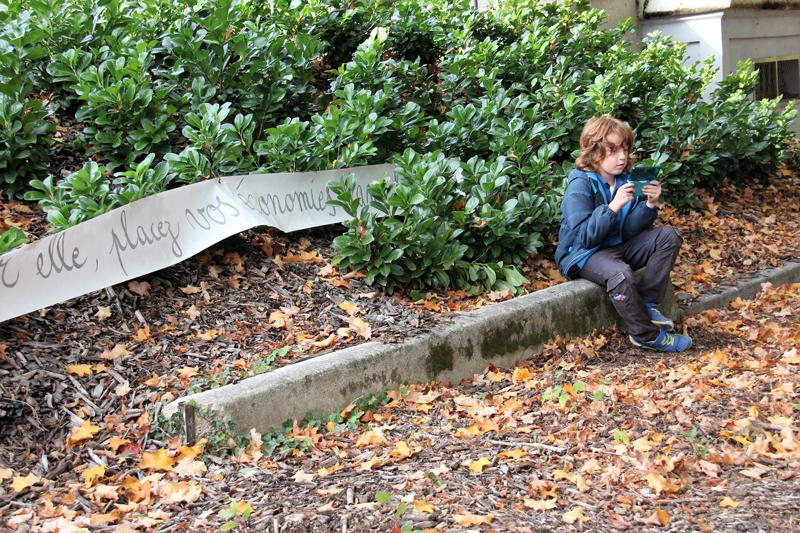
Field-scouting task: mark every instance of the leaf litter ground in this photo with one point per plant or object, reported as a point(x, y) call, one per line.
point(104, 360)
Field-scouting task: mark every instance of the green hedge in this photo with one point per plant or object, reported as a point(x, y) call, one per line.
point(479, 111)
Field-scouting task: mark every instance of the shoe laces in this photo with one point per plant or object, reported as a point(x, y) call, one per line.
point(668, 340)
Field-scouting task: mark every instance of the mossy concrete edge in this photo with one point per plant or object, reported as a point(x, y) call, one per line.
point(501, 334)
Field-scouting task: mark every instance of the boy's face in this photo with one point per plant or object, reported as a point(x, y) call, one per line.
point(616, 158)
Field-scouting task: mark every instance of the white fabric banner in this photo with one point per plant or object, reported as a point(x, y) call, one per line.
point(164, 229)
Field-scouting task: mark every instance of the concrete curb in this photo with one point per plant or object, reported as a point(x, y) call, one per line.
point(501, 334)
point(746, 289)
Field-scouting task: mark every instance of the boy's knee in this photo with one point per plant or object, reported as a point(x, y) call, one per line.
point(670, 237)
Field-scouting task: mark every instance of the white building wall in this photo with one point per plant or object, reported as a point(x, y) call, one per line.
point(733, 35)
point(701, 33)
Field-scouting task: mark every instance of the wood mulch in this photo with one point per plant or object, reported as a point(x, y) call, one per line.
point(220, 316)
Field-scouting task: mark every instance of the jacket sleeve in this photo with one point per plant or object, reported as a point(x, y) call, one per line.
point(592, 224)
point(639, 219)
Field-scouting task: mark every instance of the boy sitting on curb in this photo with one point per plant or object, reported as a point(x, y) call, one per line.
point(606, 233)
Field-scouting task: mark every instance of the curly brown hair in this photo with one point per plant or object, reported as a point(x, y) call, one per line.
point(595, 145)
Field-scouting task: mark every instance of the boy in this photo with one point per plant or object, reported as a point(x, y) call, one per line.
point(606, 233)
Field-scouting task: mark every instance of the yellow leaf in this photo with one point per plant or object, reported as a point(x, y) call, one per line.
point(241, 506)
point(106, 492)
point(423, 506)
point(325, 343)
point(727, 501)
point(142, 334)
point(360, 327)
point(102, 519)
point(472, 431)
point(92, 474)
point(575, 515)
point(373, 437)
point(182, 491)
point(496, 377)
point(660, 484)
point(642, 445)
point(18, 484)
point(278, 319)
point(658, 518)
point(85, 432)
point(401, 451)
point(190, 289)
point(516, 453)
point(80, 370)
point(190, 452)
point(115, 443)
point(103, 312)
point(208, 335)
point(560, 474)
point(158, 460)
point(478, 465)
point(188, 372)
point(540, 505)
point(117, 352)
point(187, 467)
point(349, 307)
point(466, 519)
point(322, 472)
point(521, 374)
point(715, 253)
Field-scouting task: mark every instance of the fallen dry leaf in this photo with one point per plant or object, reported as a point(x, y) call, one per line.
point(301, 477)
point(84, 432)
point(190, 452)
point(360, 327)
point(350, 308)
point(575, 515)
point(18, 484)
point(467, 519)
point(540, 505)
point(521, 374)
point(182, 491)
point(728, 502)
point(659, 518)
point(478, 465)
point(190, 289)
point(142, 288)
point(188, 467)
point(158, 460)
point(423, 506)
point(103, 312)
point(79, 370)
point(373, 437)
point(116, 442)
point(401, 450)
point(92, 474)
point(119, 351)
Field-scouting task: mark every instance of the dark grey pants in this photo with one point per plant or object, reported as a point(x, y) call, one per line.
point(612, 268)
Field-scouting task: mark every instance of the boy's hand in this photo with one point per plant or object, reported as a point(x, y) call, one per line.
point(623, 195)
point(653, 193)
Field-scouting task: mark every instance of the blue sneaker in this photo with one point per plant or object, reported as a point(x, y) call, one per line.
point(663, 322)
point(665, 342)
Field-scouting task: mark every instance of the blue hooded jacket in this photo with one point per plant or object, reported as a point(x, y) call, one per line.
point(588, 224)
